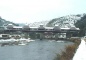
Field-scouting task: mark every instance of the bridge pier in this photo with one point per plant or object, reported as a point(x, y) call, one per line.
point(41, 36)
point(56, 36)
point(26, 35)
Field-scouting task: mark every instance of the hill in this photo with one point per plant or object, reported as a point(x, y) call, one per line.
point(65, 21)
point(5, 22)
point(82, 25)
point(36, 24)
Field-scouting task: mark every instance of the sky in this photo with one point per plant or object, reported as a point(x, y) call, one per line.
point(29, 11)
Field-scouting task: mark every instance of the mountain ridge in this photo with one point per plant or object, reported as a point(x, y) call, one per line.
point(71, 19)
point(68, 19)
point(5, 22)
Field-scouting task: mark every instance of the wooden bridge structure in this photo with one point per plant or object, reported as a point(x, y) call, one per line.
point(41, 29)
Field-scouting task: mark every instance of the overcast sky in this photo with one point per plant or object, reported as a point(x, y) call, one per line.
point(29, 11)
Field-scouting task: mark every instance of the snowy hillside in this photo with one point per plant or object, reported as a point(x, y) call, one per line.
point(36, 24)
point(65, 21)
point(5, 22)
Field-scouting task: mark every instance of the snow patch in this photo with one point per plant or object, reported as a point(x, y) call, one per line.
point(81, 51)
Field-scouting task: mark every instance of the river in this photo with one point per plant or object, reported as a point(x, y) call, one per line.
point(36, 50)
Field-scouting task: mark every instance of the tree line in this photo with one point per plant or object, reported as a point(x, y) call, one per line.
point(81, 24)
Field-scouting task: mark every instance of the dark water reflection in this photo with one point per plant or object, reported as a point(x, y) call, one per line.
point(37, 50)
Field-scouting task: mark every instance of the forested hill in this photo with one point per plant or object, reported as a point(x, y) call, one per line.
point(5, 22)
point(71, 19)
point(82, 25)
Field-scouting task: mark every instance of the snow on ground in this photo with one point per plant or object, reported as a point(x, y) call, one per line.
point(81, 51)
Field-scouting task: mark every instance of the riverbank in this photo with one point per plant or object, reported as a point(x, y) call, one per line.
point(69, 51)
point(81, 51)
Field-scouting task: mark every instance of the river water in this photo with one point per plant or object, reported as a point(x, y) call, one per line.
point(36, 50)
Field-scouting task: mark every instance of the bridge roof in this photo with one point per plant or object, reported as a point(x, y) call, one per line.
point(44, 27)
point(17, 27)
point(48, 27)
point(65, 28)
